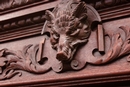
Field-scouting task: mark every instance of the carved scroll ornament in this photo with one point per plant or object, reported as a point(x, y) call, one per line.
point(71, 31)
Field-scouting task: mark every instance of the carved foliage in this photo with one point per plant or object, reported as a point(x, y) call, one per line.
point(26, 59)
point(118, 48)
point(68, 31)
point(21, 60)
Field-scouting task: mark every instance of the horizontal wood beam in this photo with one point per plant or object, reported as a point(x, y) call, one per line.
point(27, 11)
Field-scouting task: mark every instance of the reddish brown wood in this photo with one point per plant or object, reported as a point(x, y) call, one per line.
point(106, 14)
point(100, 36)
point(27, 11)
point(101, 4)
point(24, 63)
point(41, 44)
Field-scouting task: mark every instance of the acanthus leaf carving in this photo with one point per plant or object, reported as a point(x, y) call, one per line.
point(70, 33)
point(21, 60)
point(118, 48)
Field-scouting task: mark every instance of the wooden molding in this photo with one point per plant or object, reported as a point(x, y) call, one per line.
point(101, 4)
point(76, 49)
point(25, 17)
point(7, 5)
point(98, 4)
point(27, 10)
point(115, 12)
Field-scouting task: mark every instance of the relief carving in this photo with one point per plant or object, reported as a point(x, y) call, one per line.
point(68, 30)
point(21, 60)
point(101, 4)
point(70, 45)
point(6, 4)
point(70, 26)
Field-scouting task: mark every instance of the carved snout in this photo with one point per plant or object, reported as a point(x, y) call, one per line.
point(64, 52)
point(61, 56)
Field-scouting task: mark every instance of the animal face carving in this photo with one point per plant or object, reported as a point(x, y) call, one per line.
point(68, 30)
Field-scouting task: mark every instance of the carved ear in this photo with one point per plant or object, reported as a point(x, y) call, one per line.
point(80, 11)
point(50, 20)
point(84, 11)
point(49, 16)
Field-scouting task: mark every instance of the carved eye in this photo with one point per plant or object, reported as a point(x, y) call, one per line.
point(54, 39)
point(80, 25)
point(55, 36)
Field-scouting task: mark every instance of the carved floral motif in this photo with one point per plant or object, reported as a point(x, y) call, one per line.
point(26, 59)
point(20, 60)
point(68, 33)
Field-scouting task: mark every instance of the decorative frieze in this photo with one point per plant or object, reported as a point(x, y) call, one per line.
point(8, 4)
point(101, 4)
point(74, 33)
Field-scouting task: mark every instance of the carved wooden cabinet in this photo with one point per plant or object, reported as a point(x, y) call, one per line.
point(64, 43)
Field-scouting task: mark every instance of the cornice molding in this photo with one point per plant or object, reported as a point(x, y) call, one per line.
point(8, 4)
point(105, 8)
point(15, 25)
point(66, 51)
point(24, 26)
point(115, 12)
point(101, 4)
point(11, 4)
point(28, 9)
point(19, 33)
point(22, 21)
point(65, 47)
point(90, 81)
